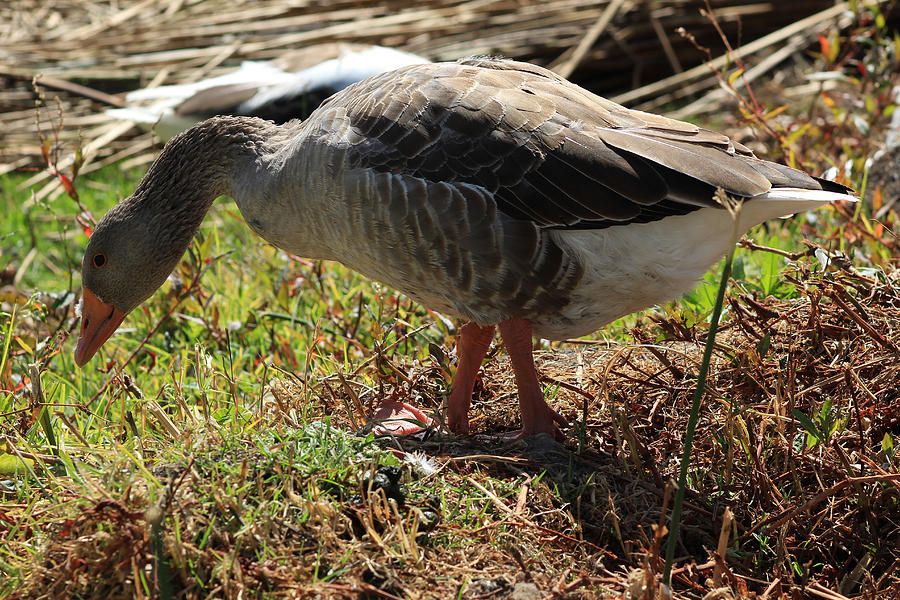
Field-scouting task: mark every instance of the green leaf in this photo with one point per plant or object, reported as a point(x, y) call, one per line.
point(763, 346)
point(47, 428)
point(798, 133)
point(809, 426)
point(11, 464)
point(825, 413)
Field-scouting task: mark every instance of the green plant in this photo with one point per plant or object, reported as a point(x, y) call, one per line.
point(823, 424)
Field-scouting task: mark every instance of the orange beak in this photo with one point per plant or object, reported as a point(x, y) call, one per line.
point(99, 320)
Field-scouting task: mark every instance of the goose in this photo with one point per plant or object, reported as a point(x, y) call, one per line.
point(487, 189)
point(289, 87)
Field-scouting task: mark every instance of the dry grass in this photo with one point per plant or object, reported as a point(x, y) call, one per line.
point(111, 47)
point(813, 508)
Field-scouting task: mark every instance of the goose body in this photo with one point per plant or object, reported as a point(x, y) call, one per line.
point(289, 87)
point(487, 189)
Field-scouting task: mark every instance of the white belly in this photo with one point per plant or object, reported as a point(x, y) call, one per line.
point(637, 266)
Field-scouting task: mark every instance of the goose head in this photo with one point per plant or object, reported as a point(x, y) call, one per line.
point(123, 265)
point(138, 243)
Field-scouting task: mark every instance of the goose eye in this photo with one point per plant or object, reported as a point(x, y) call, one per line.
point(99, 260)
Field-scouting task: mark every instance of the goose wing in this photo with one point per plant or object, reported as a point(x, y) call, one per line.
point(547, 150)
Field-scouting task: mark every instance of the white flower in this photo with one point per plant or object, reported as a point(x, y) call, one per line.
point(421, 463)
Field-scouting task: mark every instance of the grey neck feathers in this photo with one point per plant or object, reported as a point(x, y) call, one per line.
point(205, 162)
point(209, 160)
point(219, 156)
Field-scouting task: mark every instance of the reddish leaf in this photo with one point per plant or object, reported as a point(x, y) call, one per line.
point(152, 356)
point(85, 220)
point(825, 45)
point(877, 199)
point(67, 184)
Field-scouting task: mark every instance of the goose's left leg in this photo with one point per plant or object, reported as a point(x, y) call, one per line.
point(471, 346)
point(400, 418)
point(537, 416)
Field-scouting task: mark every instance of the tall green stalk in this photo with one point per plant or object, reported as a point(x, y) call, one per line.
point(675, 522)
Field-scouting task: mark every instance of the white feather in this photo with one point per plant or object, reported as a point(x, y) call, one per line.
point(636, 266)
point(271, 83)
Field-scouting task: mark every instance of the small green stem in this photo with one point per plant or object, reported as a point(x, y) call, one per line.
point(694, 416)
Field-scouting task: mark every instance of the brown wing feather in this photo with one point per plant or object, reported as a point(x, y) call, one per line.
point(547, 150)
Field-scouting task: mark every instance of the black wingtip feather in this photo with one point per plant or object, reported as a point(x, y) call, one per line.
point(832, 186)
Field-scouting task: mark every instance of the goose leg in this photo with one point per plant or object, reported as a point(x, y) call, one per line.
point(471, 346)
point(537, 416)
point(400, 418)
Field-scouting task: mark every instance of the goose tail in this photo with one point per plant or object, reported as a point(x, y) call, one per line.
point(784, 202)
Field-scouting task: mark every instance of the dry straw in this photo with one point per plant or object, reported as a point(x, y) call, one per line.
point(85, 54)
